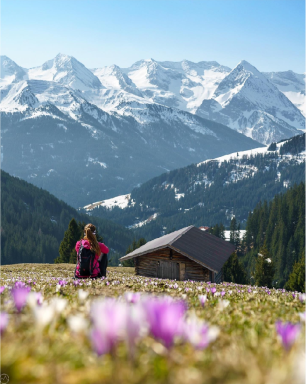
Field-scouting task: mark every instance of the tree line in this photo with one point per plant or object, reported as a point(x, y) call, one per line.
point(34, 222)
point(272, 251)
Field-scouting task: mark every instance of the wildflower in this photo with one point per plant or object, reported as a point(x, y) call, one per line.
point(58, 304)
point(82, 295)
point(132, 297)
point(202, 299)
point(108, 318)
point(303, 316)
point(302, 297)
point(4, 319)
point(165, 318)
point(77, 323)
point(19, 284)
point(213, 290)
point(34, 298)
point(222, 304)
point(223, 293)
point(20, 296)
point(288, 333)
point(62, 283)
point(198, 333)
point(2, 289)
point(43, 315)
point(135, 326)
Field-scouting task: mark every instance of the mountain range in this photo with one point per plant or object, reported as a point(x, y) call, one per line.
point(210, 192)
point(88, 134)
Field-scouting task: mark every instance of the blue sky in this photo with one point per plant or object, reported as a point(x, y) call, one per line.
point(267, 33)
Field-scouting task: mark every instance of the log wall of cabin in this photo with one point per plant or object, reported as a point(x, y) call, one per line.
point(147, 265)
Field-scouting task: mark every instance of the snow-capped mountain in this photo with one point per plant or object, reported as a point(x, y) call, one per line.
point(70, 134)
point(248, 102)
point(292, 85)
point(68, 71)
point(10, 72)
point(113, 78)
point(181, 85)
point(124, 125)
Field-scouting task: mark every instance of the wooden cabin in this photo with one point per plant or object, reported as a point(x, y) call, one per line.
point(186, 254)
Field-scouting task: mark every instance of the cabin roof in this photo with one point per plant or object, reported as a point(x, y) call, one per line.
point(199, 246)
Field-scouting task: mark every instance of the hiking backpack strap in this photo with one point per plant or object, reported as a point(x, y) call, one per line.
point(78, 257)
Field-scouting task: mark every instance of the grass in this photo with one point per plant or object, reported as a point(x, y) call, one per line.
point(247, 350)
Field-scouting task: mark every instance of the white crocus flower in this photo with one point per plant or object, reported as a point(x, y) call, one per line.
point(222, 304)
point(34, 298)
point(58, 304)
point(82, 295)
point(43, 315)
point(77, 323)
point(303, 316)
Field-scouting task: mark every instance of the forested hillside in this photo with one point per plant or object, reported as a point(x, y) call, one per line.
point(213, 191)
point(34, 222)
point(280, 225)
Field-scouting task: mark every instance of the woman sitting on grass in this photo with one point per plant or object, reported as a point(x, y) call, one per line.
point(92, 255)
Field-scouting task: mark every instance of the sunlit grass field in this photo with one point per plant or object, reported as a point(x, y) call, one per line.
point(50, 340)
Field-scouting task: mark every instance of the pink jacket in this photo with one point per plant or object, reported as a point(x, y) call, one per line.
point(86, 244)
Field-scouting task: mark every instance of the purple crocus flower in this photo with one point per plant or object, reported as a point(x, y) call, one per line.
point(2, 289)
point(108, 317)
point(62, 283)
point(3, 321)
point(19, 284)
point(20, 297)
point(202, 299)
point(293, 295)
point(213, 290)
point(165, 318)
point(288, 333)
point(99, 342)
point(223, 293)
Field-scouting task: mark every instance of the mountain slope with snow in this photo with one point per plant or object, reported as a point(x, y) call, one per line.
point(248, 102)
point(292, 85)
point(10, 72)
point(209, 192)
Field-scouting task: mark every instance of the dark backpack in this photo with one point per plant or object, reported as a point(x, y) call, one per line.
point(85, 261)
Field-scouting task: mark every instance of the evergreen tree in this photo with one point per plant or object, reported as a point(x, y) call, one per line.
point(296, 281)
point(264, 269)
point(67, 253)
point(234, 232)
point(131, 248)
point(233, 270)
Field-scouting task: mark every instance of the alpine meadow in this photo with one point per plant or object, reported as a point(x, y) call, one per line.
point(152, 192)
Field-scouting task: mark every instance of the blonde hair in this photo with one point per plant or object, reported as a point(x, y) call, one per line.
point(89, 235)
